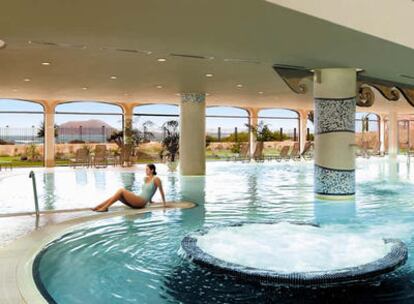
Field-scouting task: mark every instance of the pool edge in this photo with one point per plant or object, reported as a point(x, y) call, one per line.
point(17, 284)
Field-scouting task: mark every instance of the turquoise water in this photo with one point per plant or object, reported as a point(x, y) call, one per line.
point(136, 259)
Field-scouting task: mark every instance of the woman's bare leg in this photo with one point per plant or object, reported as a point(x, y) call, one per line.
point(125, 196)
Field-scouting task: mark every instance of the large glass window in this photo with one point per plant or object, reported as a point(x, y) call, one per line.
point(21, 132)
point(282, 126)
point(367, 130)
point(227, 131)
point(84, 124)
point(149, 121)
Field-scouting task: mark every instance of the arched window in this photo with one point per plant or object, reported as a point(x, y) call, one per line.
point(227, 124)
point(283, 123)
point(21, 132)
point(367, 130)
point(87, 122)
point(151, 118)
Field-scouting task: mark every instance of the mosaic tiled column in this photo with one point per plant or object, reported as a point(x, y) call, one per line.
point(192, 134)
point(335, 102)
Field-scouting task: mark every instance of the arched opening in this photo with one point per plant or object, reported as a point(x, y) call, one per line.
point(280, 128)
point(85, 124)
point(367, 131)
point(405, 133)
point(21, 133)
point(150, 122)
point(227, 132)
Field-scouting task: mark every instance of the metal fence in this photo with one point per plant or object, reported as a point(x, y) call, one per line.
point(82, 134)
point(20, 136)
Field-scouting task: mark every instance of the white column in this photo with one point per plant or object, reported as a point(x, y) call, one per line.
point(393, 135)
point(335, 103)
point(253, 121)
point(382, 134)
point(193, 134)
point(49, 148)
point(303, 120)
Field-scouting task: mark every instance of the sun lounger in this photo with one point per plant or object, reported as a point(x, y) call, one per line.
point(295, 153)
point(100, 159)
point(258, 152)
point(81, 158)
point(284, 153)
point(307, 151)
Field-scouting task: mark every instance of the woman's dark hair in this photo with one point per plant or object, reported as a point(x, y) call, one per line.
point(152, 168)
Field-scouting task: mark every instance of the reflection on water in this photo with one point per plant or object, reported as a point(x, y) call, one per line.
point(81, 177)
point(135, 259)
point(49, 196)
point(327, 212)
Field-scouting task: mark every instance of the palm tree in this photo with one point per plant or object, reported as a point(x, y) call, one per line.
point(41, 130)
point(171, 141)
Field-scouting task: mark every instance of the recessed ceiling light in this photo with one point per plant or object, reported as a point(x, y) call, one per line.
point(113, 77)
point(84, 88)
point(178, 94)
point(45, 63)
point(261, 93)
point(239, 85)
point(161, 59)
point(26, 79)
point(207, 94)
point(209, 75)
point(159, 86)
point(2, 44)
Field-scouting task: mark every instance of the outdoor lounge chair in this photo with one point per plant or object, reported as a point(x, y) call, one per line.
point(284, 153)
point(81, 158)
point(295, 153)
point(258, 152)
point(243, 155)
point(100, 159)
point(307, 153)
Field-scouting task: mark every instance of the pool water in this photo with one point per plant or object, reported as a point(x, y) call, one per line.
point(136, 259)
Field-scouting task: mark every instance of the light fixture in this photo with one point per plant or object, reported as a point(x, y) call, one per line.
point(2, 44)
point(261, 93)
point(161, 59)
point(159, 87)
point(84, 88)
point(207, 94)
point(178, 94)
point(239, 85)
point(26, 79)
point(113, 77)
point(209, 75)
point(45, 63)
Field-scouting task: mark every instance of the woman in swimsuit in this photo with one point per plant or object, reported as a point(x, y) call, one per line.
point(150, 186)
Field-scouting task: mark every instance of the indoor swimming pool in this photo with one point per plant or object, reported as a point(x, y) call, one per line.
point(137, 259)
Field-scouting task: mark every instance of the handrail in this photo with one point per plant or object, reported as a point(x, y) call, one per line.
point(33, 177)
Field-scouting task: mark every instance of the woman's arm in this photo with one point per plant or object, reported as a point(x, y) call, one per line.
point(159, 185)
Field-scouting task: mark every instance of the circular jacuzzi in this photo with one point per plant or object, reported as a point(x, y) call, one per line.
point(294, 253)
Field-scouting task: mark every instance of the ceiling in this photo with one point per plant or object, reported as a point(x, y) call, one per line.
point(87, 42)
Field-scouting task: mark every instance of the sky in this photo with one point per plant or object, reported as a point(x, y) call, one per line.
point(227, 125)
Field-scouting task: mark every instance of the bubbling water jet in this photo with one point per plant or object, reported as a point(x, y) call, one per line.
point(295, 253)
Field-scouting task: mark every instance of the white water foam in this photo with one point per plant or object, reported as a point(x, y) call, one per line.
point(286, 248)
